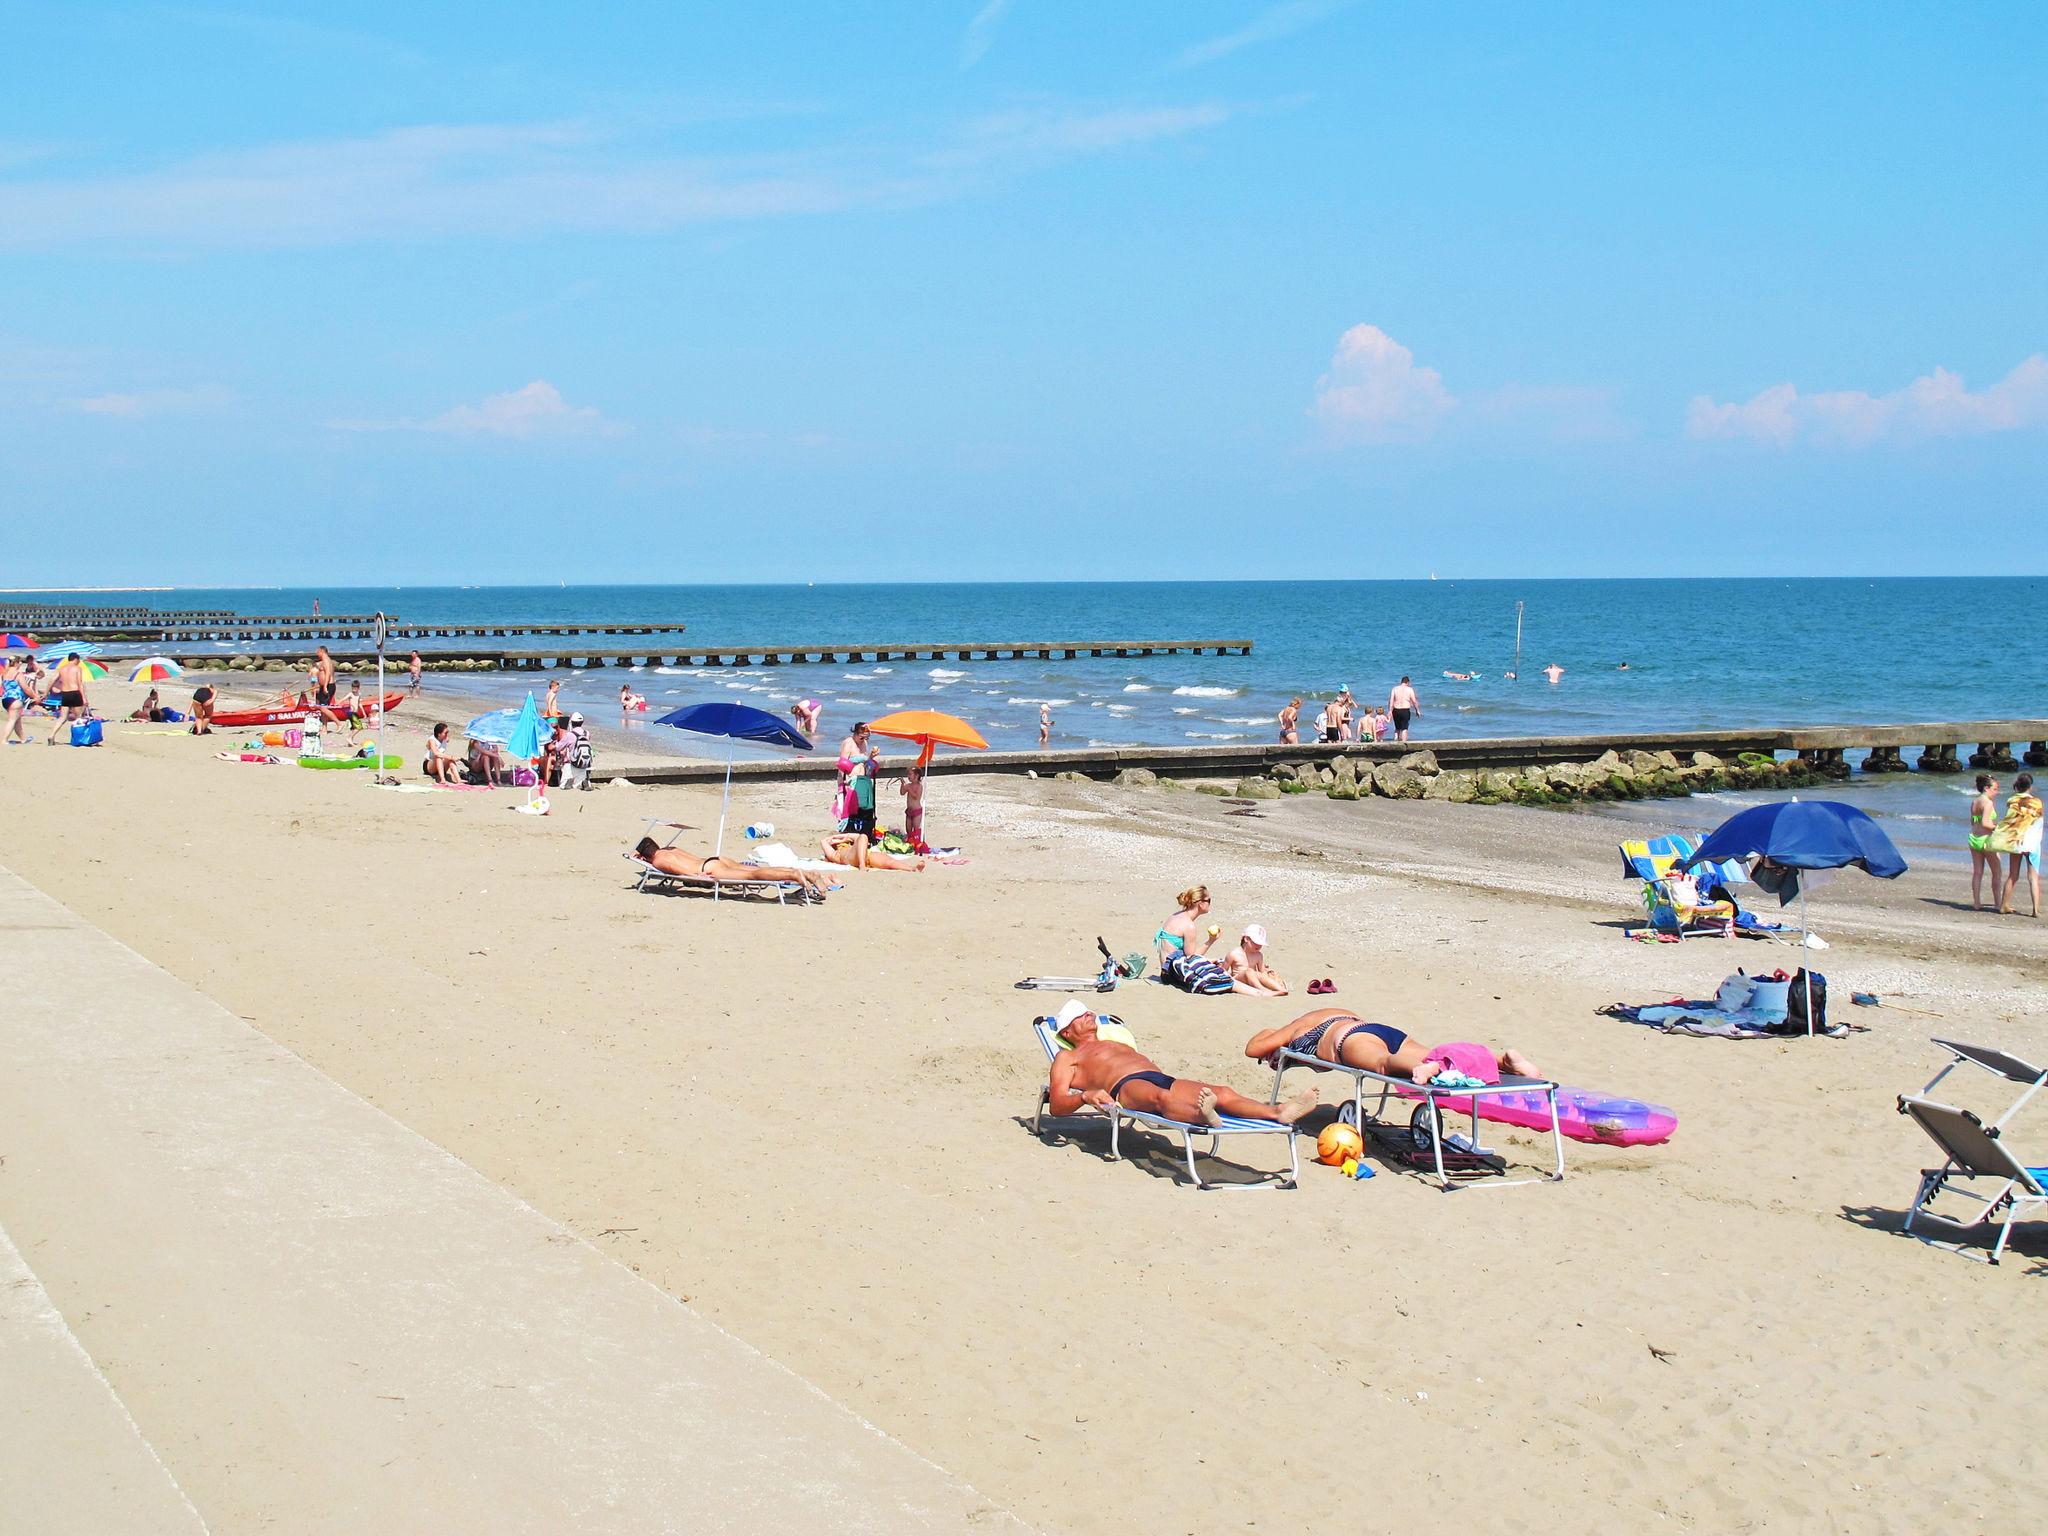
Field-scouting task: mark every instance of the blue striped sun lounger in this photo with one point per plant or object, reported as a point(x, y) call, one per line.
point(1118, 1116)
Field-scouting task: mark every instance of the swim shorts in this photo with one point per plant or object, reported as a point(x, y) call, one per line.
point(71, 698)
point(1401, 717)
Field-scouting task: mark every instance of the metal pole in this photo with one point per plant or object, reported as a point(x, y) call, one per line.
point(1518, 641)
point(1806, 949)
point(377, 735)
point(719, 848)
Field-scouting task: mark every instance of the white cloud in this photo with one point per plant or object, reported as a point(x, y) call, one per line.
point(1270, 25)
point(535, 411)
point(1934, 405)
point(517, 181)
point(981, 32)
point(153, 402)
point(1374, 392)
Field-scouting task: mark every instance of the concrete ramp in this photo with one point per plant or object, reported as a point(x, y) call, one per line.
point(321, 1322)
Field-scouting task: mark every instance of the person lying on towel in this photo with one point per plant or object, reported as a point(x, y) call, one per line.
point(1344, 1039)
point(676, 861)
point(1105, 1072)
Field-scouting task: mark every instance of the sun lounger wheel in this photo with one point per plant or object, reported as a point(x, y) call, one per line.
point(1425, 1127)
point(1347, 1114)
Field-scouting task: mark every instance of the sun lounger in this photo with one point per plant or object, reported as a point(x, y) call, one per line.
point(1048, 1038)
point(782, 890)
point(1653, 861)
point(1448, 1169)
point(1976, 1153)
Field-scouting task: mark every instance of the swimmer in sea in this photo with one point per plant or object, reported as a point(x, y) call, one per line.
point(1553, 672)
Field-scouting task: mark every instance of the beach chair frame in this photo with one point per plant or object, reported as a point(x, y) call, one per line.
point(1354, 1114)
point(1048, 1038)
point(1975, 1151)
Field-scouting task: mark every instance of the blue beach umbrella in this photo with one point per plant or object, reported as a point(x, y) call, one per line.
point(494, 728)
point(735, 722)
point(1803, 835)
point(69, 648)
point(525, 737)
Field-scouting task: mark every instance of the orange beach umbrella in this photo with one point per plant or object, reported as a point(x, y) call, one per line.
point(929, 728)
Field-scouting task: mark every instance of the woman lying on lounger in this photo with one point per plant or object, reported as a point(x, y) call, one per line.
point(675, 861)
point(855, 851)
point(1344, 1039)
point(1104, 1072)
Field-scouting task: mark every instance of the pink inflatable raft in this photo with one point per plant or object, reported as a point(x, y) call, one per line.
point(1582, 1114)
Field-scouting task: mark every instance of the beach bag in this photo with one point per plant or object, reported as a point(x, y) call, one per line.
point(174, 717)
point(1194, 973)
point(580, 755)
point(864, 793)
point(86, 733)
point(1795, 1004)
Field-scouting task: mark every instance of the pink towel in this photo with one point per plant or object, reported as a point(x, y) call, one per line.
point(1474, 1060)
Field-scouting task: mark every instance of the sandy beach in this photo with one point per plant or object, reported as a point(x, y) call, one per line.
point(813, 1125)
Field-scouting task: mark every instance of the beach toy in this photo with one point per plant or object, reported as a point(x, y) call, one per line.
point(388, 760)
point(760, 829)
point(292, 737)
point(273, 738)
point(1339, 1144)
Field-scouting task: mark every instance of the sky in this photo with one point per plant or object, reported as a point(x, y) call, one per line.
point(1016, 289)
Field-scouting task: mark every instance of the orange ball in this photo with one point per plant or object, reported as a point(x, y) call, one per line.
point(1338, 1142)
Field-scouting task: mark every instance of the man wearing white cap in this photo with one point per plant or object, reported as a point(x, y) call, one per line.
point(1247, 966)
point(1099, 1070)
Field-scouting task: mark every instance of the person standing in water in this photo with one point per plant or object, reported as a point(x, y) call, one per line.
point(1404, 706)
point(1044, 725)
point(1553, 672)
point(2019, 837)
point(552, 707)
point(412, 674)
point(1290, 723)
point(1983, 822)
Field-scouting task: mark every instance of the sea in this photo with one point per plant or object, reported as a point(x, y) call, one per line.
point(1637, 655)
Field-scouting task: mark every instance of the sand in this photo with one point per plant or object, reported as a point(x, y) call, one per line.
point(812, 1124)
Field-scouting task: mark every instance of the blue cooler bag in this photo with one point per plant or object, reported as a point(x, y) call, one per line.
point(86, 733)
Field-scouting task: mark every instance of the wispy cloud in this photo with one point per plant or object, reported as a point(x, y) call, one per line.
point(1374, 392)
point(515, 181)
point(1270, 25)
point(981, 32)
point(154, 402)
point(1937, 404)
point(534, 411)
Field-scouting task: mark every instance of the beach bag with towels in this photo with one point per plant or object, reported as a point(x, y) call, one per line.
point(1775, 1003)
point(1196, 974)
point(87, 733)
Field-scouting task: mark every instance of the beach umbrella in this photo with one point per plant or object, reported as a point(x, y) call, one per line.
point(524, 742)
point(13, 642)
point(736, 723)
point(929, 728)
point(155, 669)
point(494, 728)
point(1802, 835)
point(92, 669)
point(69, 648)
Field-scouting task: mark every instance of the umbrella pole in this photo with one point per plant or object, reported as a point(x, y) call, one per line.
point(725, 802)
point(1805, 963)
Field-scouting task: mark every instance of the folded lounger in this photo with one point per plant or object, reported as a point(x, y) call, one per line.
point(1048, 1038)
point(1976, 1151)
point(1460, 1100)
point(1653, 861)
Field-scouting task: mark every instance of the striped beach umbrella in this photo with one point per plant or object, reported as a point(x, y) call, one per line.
point(14, 642)
point(92, 669)
point(155, 669)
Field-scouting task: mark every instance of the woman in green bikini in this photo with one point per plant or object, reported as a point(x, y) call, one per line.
point(1983, 822)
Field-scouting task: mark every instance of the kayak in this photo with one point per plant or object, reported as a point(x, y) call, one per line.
point(294, 714)
point(388, 760)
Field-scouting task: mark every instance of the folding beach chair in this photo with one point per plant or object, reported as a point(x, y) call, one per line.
point(718, 886)
point(1666, 900)
point(1976, 1151)
point(1429, 1154)
point(1048, 1038)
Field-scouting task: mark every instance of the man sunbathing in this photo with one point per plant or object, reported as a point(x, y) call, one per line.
point(854, 850)
point(1344, 1039)
point(1105, 1072)
point(676, 861)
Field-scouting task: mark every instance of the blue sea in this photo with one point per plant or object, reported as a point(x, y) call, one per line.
point(1729, 652)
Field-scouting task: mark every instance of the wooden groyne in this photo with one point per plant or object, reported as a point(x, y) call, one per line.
point(463, 658)
point(1819, 748)
point(238, 629)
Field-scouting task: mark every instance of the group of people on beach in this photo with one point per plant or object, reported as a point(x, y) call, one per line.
point(26, 684)
point(1182, 945)
point(854, 802)
point(2016, 834)
point(1339, 720)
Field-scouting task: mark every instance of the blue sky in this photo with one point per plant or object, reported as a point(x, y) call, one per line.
point(937, 291)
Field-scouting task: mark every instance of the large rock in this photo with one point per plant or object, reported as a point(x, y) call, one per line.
point(1348, 789)
point(1454, 786)
point(1325, 775)
point(1257, 789)
point(1070, 777)
point(1498, 784)
point(1705, 760)
point(1137, 778)
point(1608, 762)
point(1423, 762)
point(1344, 775)
point(1397, 783)
point(1286, 773)
point(1668, 761)
point(1643, 762)
point(1570, 777)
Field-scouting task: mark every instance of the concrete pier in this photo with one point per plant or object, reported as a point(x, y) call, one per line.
point(579, 658)
point(1823, 746)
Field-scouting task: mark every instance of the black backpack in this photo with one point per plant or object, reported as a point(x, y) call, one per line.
point(1795, 1003)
